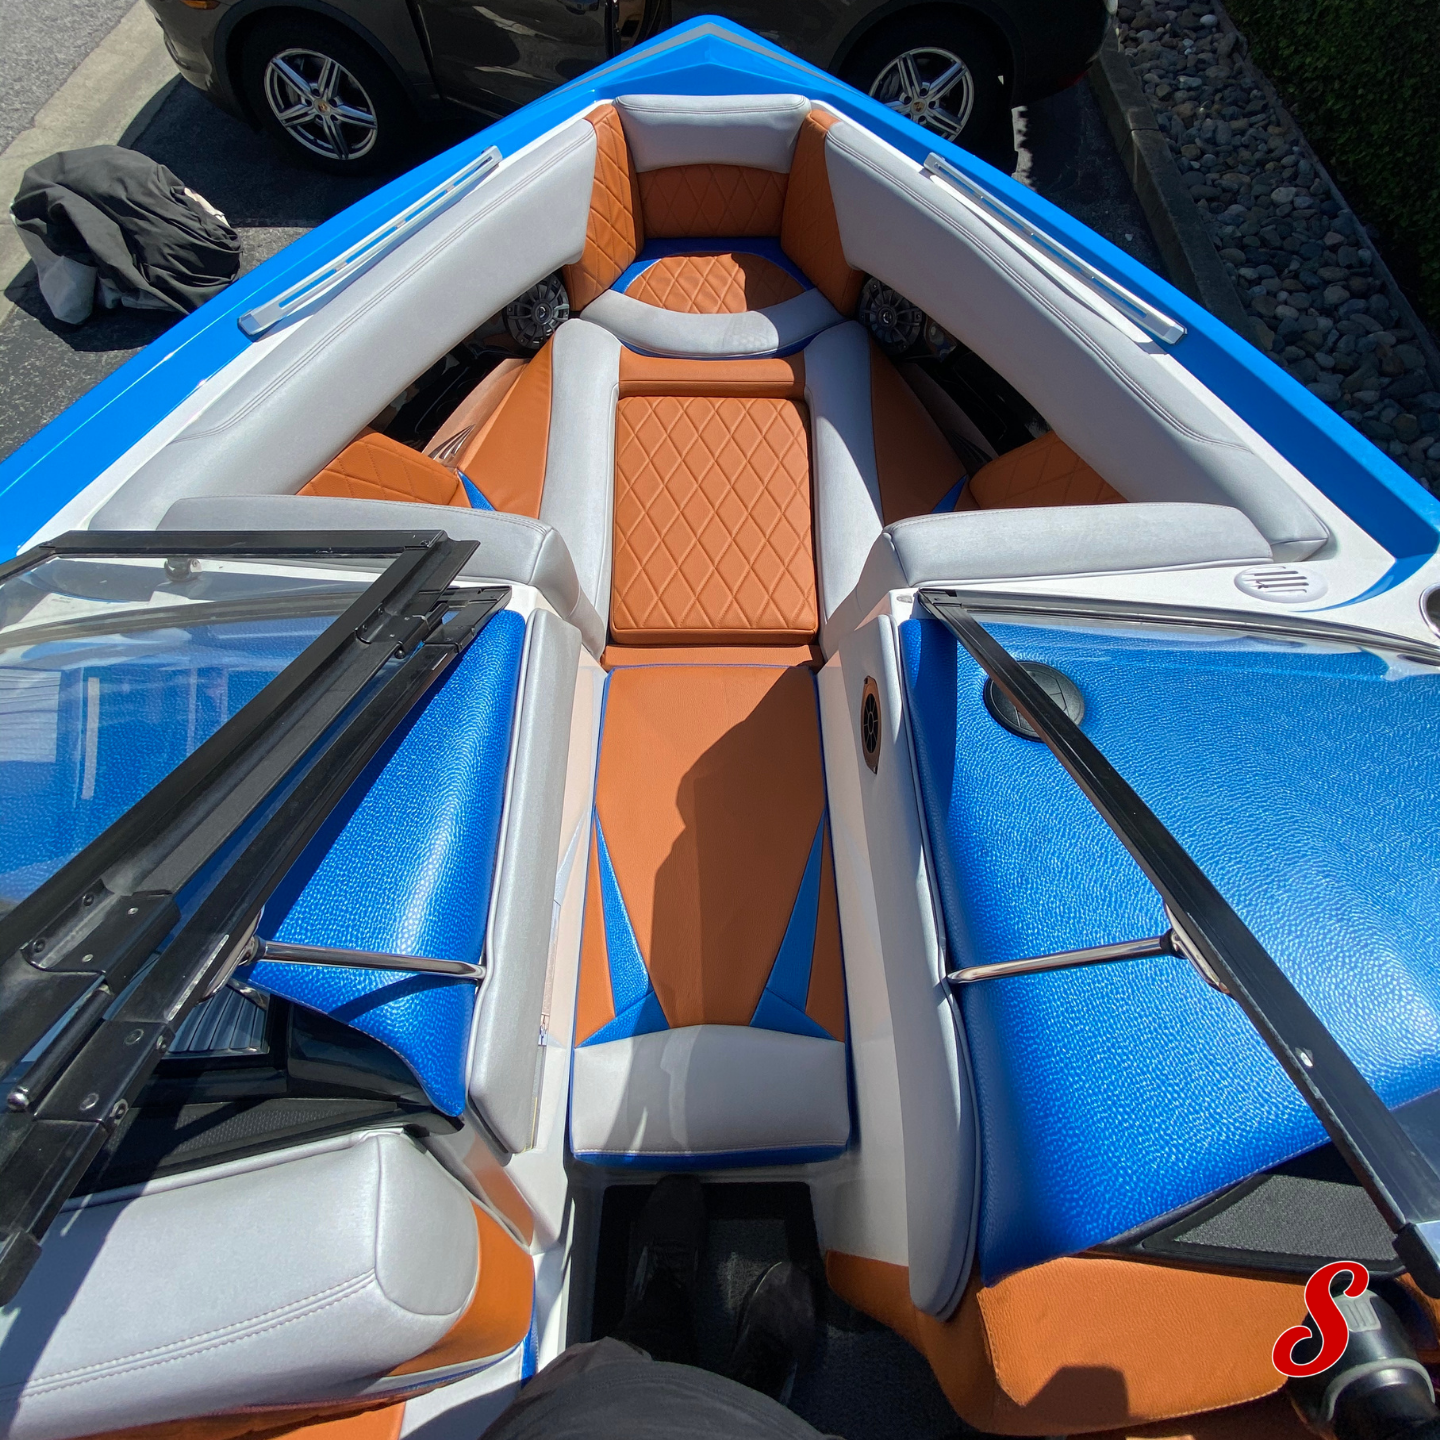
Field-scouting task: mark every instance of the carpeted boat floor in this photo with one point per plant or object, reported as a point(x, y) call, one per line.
point(863, 1381)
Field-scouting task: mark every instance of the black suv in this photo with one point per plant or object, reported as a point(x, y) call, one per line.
point(345, 82)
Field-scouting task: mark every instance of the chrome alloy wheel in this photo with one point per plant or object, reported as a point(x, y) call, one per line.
point(930, 86)
point(321, 104)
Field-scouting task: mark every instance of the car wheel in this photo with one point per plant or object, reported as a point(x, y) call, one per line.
point(935, 69)
point(327, 97)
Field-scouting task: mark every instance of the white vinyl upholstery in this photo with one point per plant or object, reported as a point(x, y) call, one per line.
point(294, 1282)
point(975, 545)
point(1125, 411)
point(742, 334)
point(755, 130)
point(709, 1094)
point(512, 548)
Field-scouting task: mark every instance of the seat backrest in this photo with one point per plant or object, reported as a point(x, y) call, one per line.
point(670, 166)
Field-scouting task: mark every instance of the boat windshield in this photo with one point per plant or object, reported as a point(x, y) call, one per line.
point(114, 669)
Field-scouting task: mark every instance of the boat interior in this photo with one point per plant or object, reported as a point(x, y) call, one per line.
point(690, 799)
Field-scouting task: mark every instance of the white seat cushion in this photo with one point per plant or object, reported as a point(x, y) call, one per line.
point(290, 1283)
point(709, 1095)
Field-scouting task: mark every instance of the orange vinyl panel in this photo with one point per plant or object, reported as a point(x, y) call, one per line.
point(339, 1421)
point(913, 460)
point(778, 377)
point(375, 467)
point(825, 1004)
point(781, 655)
point(723, 284)
point(712, 522)
point(595, 1003)
point(499, 1313)
point(809, 231)
point(507, 458)
point(476, 409)
point(1044, 472)
point(1087, 1343)
point(614, 233)
point(709, 790)
point(709, 200)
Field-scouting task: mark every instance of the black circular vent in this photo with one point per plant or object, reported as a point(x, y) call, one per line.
point(870, 723)
point(1060, 688)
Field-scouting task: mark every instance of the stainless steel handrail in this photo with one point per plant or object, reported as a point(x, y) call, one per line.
point(1153, 322)
point(278, 952)
point(350, 264)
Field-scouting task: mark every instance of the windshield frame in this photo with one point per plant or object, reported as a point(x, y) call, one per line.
point(99, 965)
point(1147, 612)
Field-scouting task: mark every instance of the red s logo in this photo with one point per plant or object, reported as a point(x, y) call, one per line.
point(1334, 1332)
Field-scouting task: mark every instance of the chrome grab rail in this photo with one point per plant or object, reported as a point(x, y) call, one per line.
point(350, 264)
point(1153, 322)
point(1395, 1172)
point(278, 952)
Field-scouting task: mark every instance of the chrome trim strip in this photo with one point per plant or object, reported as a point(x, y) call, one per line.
point(283, 954)
point(336, 274)
point(1153, 322)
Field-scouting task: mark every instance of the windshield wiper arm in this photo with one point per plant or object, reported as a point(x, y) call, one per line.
point(1399, 1178)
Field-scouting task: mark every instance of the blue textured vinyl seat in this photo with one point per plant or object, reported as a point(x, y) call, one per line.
point(1304, 782)
point(403, 866)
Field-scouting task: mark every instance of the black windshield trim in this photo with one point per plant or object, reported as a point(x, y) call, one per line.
point(1141, 612)
point(260, 789)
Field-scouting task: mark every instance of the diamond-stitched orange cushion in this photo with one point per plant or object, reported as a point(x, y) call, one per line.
point(809, 232)
point(712, 521)
point(613, 234)
point(723, 284)
point(697, 200)
point(1044, 472)
point(375, 467)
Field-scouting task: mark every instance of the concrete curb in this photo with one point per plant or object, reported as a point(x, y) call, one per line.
point(1184, 242)
point(97, 105)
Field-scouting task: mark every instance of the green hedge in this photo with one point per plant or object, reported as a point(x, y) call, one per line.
point(1363, 79)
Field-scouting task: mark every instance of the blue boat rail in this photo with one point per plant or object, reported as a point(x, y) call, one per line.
point(350, 264)
point(1153, 322)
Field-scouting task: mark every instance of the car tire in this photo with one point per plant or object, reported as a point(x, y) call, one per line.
point(901, 64)
point(326, 97)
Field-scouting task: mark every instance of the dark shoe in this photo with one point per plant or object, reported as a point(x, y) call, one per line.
point(776, 1332)
point(670, 1234)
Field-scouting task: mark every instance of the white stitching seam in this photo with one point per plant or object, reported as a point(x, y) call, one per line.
point(196, 1345)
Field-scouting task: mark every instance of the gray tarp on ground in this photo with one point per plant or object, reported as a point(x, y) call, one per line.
point(152, 243)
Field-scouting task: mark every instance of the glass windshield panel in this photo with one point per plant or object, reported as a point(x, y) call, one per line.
point(113, 670)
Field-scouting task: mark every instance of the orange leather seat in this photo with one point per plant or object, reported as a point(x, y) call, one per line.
point(1089, 1343)
point(710, 1023)
point(1044, 472)
point(712, 504)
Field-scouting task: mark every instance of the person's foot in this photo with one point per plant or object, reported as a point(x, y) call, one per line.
point(670, 1234)
point(776, 1331)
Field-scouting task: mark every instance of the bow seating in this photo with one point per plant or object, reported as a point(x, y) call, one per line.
point(711, 229)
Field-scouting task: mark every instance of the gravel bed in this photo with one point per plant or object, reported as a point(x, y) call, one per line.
point(1302, 263)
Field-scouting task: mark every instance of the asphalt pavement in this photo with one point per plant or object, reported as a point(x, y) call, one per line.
point(44, 40)
point(1063, 151)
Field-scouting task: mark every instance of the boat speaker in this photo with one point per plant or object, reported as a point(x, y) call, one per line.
point(532, 318)
point(893, 321)
point(870, 724)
